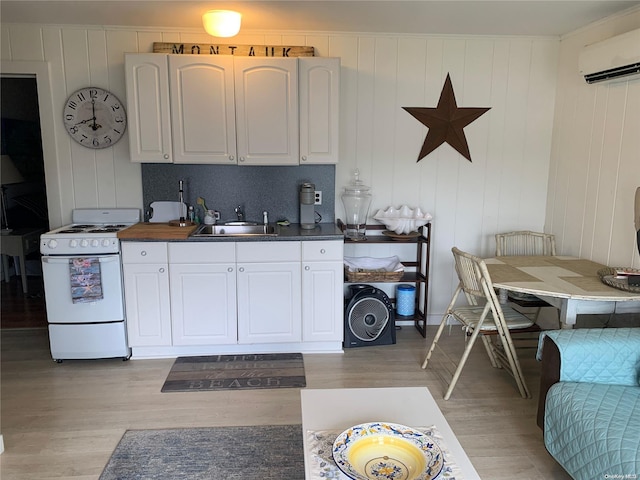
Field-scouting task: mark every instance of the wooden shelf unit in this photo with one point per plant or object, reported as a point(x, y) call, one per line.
point(420, 277)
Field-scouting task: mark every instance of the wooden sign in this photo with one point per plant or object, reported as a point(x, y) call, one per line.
point(238, 50)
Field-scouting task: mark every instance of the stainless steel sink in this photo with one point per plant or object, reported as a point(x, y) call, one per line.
point(243, 230)
point(242, 223)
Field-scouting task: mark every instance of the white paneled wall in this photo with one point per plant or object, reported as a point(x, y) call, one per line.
point(504, 188)
point(595, 168)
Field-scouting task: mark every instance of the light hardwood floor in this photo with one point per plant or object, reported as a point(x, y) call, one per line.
point(63, 421)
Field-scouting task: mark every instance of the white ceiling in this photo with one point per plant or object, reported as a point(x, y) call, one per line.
point(475, 17)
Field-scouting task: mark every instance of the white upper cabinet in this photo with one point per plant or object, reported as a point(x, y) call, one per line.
point(319, 98)
point(225, 109)
point(148, 108)
point(202, 109)
point(267, 110)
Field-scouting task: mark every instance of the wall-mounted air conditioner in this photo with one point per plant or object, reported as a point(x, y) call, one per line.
point(612, 58)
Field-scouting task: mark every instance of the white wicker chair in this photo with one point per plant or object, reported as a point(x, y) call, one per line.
point(525, 242)
point(486, 317)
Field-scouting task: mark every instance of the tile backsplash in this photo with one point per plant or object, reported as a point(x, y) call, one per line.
point(271, 188)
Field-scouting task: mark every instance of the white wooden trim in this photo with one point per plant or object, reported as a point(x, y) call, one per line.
point(47, 122)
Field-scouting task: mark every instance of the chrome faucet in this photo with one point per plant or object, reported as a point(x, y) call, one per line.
point(265, 217)
point(239, 213)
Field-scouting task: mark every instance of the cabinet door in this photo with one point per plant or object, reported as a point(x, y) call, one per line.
point(322, 301)
point(269, 305)
point(203, 304)
point(267, 110)
point(319, 97)
point(146, 288)
point(148, 113)
point(322, 291)
point(202, 109)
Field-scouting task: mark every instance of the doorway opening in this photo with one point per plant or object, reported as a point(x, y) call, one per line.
point(25, 210)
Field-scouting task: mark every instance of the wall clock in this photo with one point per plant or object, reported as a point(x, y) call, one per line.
point(94, 117)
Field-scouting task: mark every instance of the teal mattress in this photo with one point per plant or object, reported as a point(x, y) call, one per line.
point(593, 430)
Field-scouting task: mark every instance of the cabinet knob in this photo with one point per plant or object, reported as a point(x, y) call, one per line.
point(304, 158)
point(307, 268)
point(241, 269)
point(166, 156)
point(230, 269)
point(323, 251)
point(242, 159)
point(143, 253)
point(232, 158)
point(161, 269)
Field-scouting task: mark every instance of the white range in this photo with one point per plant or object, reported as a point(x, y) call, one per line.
point(83, 285)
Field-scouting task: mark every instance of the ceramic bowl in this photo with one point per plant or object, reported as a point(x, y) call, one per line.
point(384, 451)
point(403, 220)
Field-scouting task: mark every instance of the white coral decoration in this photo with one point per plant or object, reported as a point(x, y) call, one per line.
point(404, 220)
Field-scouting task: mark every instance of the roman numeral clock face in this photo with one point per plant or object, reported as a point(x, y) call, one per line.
point(94, 117)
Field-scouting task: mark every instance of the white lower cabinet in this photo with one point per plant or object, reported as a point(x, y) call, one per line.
point(198, 298)
point(146, 286)
point(269, 300)
point(322, 291)
point(203, 293)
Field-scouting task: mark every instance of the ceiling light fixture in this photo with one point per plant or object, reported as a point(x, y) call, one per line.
point(221, 23)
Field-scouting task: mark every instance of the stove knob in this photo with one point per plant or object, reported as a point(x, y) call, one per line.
point(73, 243)
point(95, 243)
point(105, 242)
point(84, 243)
point(52, 243)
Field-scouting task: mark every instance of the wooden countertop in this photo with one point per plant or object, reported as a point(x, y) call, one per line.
point(156, 231)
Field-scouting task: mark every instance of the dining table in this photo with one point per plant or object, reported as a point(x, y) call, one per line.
point(570, 284)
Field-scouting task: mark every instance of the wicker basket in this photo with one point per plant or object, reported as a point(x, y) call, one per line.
point(372, 276)
point(608, 276)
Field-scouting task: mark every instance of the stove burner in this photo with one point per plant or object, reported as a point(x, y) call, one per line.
point(80, 227)
point(102, 230)
point(71, 230)
point(119, 225)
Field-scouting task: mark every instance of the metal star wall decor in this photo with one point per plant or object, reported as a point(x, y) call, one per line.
point(446, 122)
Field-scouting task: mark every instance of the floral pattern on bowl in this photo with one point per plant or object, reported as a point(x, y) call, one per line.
point(387, 451)
point(403, 220)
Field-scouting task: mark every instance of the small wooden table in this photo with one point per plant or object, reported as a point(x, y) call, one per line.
point(568, 283)
point(341, 408)
point(19, 243)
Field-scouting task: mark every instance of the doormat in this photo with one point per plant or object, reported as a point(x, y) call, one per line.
point(236, 372)
point(271, 452)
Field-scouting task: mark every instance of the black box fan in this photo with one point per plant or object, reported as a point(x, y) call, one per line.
point(369, 318)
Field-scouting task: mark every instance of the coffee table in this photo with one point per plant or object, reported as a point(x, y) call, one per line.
point(341, 408)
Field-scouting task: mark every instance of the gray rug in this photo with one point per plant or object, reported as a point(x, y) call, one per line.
point(272, 452)
point(236, 372)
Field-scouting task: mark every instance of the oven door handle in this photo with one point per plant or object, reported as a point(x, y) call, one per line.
point(112, 258)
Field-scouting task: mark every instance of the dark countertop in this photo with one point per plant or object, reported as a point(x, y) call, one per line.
point(322, 231)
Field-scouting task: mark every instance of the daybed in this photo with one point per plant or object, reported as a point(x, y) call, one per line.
point(589, 406)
